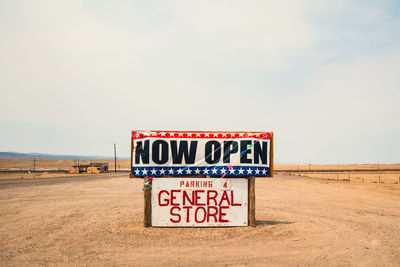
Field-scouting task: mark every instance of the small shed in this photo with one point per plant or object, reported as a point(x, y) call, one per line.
point(93, 167)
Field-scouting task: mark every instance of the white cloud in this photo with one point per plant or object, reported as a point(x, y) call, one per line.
point(89, 73)
point(64, 60)
point(348, 111)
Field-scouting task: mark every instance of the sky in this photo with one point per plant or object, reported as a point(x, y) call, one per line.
point(324, 76)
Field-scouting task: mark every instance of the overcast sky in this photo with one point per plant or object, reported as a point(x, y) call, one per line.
point(78, 76)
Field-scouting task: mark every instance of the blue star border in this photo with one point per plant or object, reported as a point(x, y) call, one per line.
point(212, 171)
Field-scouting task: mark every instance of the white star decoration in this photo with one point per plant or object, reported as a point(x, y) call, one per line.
point(171, 171)
point(197, 171)
point(162, 171)
point(153, 171)
point(249, 171)
point(188, 171)
point(214, 171)
point(223, 170)
point(241, 171)
point(180, 171)
point(264, 171)
point(257, 171)
point(137, 172)
point(144, 172)
point(205, 171)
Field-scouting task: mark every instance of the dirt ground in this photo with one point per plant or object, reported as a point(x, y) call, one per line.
point(300, 221)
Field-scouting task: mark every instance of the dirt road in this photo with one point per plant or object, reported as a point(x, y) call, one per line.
point(301, 221)
point(54, 180)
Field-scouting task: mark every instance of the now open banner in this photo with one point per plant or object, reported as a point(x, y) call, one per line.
point(189, 153)
point(200, 202)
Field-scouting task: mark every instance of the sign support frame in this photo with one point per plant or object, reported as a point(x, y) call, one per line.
point(251, 189)
point(147, 205)
point(130, 171)
point(252, 201)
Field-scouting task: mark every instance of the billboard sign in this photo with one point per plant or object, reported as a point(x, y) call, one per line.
point(191, 153)
point(199, 202)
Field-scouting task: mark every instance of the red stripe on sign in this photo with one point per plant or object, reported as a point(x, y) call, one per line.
point(199, 135)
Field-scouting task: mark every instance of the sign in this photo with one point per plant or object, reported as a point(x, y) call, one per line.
point(199, 202)
point(188, 153)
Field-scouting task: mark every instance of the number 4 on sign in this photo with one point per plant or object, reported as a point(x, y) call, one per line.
point(226, 185)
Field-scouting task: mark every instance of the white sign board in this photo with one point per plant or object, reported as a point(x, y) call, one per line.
point(199, 202)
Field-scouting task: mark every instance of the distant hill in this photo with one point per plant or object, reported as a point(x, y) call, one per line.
point(16, 155)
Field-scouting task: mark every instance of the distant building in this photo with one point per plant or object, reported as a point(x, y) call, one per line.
point(93, 167)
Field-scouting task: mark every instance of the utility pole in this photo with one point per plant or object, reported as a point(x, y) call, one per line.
point(115, 158)
point(34, 164)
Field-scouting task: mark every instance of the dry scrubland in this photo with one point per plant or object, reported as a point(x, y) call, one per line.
point(98, 221)
point(339, 172)
point(57, 164)
point(365, 177)
point(21, 175)
point(337, 167)
point(124, 164)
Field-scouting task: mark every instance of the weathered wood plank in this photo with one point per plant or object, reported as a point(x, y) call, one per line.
point(147, 205)
point(132, 147)
point(252, 202)
point(271, 156)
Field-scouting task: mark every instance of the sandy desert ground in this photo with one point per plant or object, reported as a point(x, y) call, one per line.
point(98, 221)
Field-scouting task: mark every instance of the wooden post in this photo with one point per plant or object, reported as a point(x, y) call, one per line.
point(271, 156)
point(147, 205)
point(252, 202)
point(115, 158)
point(130, 172)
